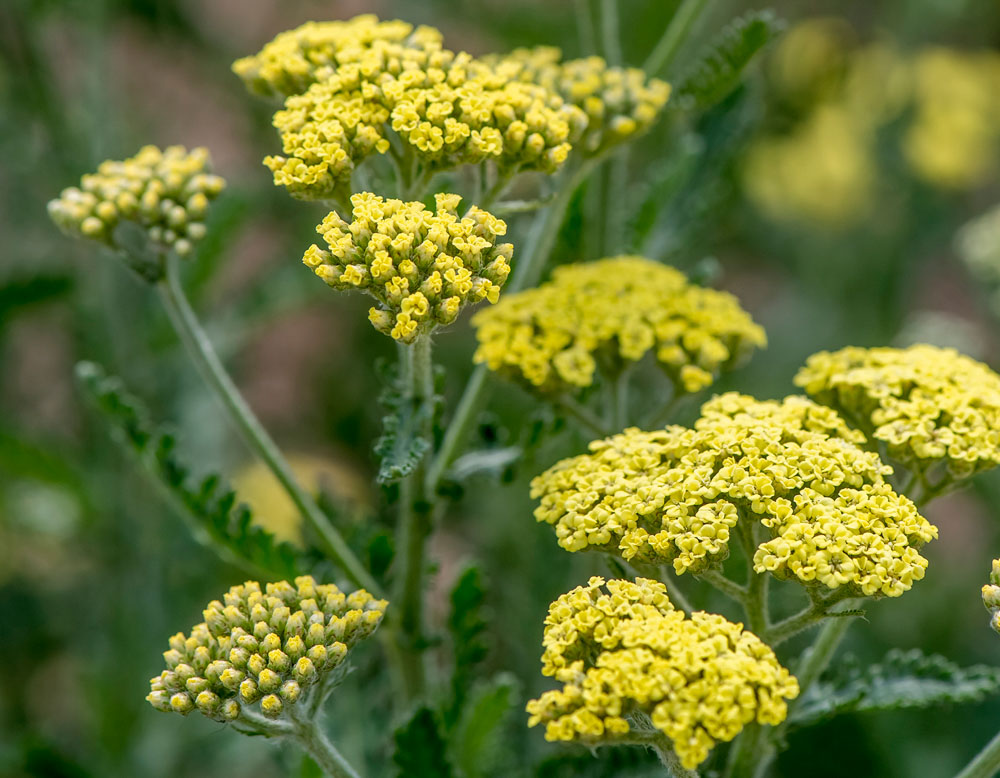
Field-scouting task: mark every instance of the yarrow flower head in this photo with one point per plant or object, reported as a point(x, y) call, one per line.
point(929, 405)
point(675, 495)
point(422, 266)
point(620, 649)
point(620, 103)
point(270, 646)
point(165, 192)
point(352, 87)
point(297, 59)
point(991, 596)
point(555, 337)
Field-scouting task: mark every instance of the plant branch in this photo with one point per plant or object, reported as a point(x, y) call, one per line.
point(581, 413)
point(986, 763)
point(314, 742)
point(414, 520)
point(676, 32)
point(200, 349)
point(729, 588)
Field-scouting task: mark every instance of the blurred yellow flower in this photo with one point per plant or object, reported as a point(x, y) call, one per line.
point(270, 504)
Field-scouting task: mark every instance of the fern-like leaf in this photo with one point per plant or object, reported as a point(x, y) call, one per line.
point(402, 445)
point(904, 679)
point(719, 72)
point(209, 504)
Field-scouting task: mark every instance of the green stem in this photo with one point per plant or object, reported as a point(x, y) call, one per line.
point(665, 51)
point(585, 27)
point(315, 743)
point(491, 195)
point(746, 749)
point(200, 349)
point(663, 748)
point(528, 264)
point(414, 521)
point(756, 586)
point(610, 36)
point(586, 417)
point(729, 588)
point(986, 763)
point(677, 596)
point(810, 668)
point(619, 400)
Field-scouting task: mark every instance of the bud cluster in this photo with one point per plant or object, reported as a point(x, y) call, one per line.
point(165, 192)
point(619, 103)
point(265, 646)
point(991, 596)
point(422, 266)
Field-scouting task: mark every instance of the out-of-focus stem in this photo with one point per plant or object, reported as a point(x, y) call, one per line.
point(200, 349)
point(986, 763)
point(663, 55)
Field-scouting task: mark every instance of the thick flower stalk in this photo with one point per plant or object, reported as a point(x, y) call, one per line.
point(676, 495)
point(165, 192)
point(933, 408)
point(299, 58)
point(620, 103)
point(421, 266)
point(611, 313)
point(621, 649)
point(991, 596)
point(263, 649)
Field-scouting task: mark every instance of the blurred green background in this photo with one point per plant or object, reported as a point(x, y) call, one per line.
point(828, 193)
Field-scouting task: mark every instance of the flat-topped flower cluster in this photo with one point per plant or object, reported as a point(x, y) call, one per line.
point(620, 648)
point(267, 646)
point(363, 86)
point(675, 495)
point(422, 266)
point(555, 337)
point(929, 405)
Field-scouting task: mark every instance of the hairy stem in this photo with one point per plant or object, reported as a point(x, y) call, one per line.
point(661, 745)
point(581, 413)
point(665, 51)
point(414, 521)
point(610, 36)
point(315, 743)
point(744, 753)
point(729, 588)
point(200, 349)
point(986, 763)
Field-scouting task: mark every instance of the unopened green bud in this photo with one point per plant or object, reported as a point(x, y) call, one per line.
point(268, 681)
point(249, 692)
point(181, 703)
point(271, 706)
point(290, 691)
point(304, 671)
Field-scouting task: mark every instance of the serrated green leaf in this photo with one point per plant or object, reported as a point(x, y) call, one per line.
point(476, 742)
point(420, 748)
point(719, 72)
point(466, 626)
point(402, 445)
point(209, 504)
point(904, 679)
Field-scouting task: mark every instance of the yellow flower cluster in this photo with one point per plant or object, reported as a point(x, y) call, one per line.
point(620, 103)
point(929, 405)
point(552, 337)
point(269, 646)
point(991, 596)
point(953, 139)
point(299, 58)
point(675, 495)
point(620, 647)
point(353, 87)
point(166, 193)
point(447, 110)
point(422, 266)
